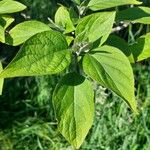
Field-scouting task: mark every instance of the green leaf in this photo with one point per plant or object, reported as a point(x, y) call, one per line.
point(74, 15)
point(10, 6)
point(73, 101)
point(119, 43)
point(136, 14)
point(95, 26)
point(111, 68)
point(62, 18)
point(103, 4)
point(1, 80)
point(141, 49)
point(44, 53)
point(2, 34)
point(5, 21)
point(69, 39)
point(77, 1)
point(23, 31)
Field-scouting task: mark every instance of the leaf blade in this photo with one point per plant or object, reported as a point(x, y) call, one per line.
point(62, 18)
point(1, 79)
point(141, 50)
point(2, 34)
point(6, 21)
point(103, 4)
point(23, 31)
point(10, 6)
point(119, 43)
point(142, 15)
point(110, 68)
point(95, 26)
point(73, 100)
point(44, 53)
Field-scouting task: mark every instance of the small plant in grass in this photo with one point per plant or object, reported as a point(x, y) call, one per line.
point(81, 42)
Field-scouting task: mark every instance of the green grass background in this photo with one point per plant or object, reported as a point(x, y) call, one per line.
point(27, 119)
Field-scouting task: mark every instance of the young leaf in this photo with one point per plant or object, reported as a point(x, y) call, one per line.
point(77, 1)
point(136, 14)
point(103, 4)
point(141, 49)
point(6, 21)
point(111, 68)
point(62, 18)
point(69, 39)
point(23, 31)
point(2, 34)
point(10, 6)
point(1, 80)
point(44, 53)
point(73, 101)
point(95, 26)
